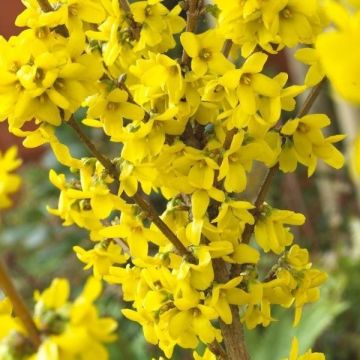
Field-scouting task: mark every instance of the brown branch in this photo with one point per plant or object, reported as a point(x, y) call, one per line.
point(129, 17)
point(45, 5)
point(218, 350)
point(233, 334)
point(194, 8)
point(96, 153)
point(122, 85)
point(227, 47)
point(146, 206)
point(309, 101)
point(125, 6)
point(19, 306)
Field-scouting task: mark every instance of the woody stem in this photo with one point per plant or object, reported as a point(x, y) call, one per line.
point(19, 306)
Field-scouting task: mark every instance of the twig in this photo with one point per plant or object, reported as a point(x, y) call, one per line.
point(147, 207)
point(122, 85)
point(45, 5)
point(125, 6)
point(264, 189)
point(309, 101)
point(227, 47)
point(134, 26)
point(19, 306)
point(193, 12)
point(218, 350)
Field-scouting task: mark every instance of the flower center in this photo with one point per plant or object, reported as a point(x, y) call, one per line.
point(73, 10)
point(205, 54)
point(303, 128)
point(246, 79)
point(112, 106)
point(148, 11)
point(286, 13)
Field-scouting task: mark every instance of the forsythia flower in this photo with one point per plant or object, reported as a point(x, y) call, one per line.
point(9, 183)
point(305, 143)
point(294, 353)
point(191, 132)
point(205, 52)
point(270, 232)
point(74, 330)
point(334, 47)
point(270, 22)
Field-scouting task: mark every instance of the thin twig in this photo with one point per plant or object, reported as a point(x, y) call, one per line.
point(45, 5)
point(19, 306)
point(122, 85)
point(218, 350)
point(194, 8)
point(129, 17)
point(309, 101)
point(264, 189)
point(146, 206)
point(227, 47)
point(125, 6)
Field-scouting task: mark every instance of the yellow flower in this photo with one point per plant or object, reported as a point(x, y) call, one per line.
point(239, 158)
point(8, 322)
point(306, 142)
point(74, 330)
point(132, 230)
point(158, 74)
point(111, 108)
point(187, 327)
point(46, 81)
point(205, 52)
point(334, 48)
point(270, 22)
point(9, 183)
point(208, 355)
point(250, 84)
point(270, 232)
point(158, 24)
point(310, 57)
point(63, 13)
point(258, 310)
point(309, 355)
point(307, 290)
point(101, 257)
point(224, 295)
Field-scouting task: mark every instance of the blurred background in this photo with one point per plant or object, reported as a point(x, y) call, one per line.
point(37, 248)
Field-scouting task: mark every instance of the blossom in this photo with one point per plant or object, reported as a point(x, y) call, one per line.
point(205, 52)
point(9, 183)
point(294, 353)
point(306, 143)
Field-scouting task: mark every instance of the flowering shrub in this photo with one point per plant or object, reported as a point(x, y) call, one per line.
point(190, 129)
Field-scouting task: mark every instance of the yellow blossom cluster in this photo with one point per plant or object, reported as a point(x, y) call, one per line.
point(69, 330)
point(271, 24)
point(334, 47)
point(9, 183)
point(190, 130)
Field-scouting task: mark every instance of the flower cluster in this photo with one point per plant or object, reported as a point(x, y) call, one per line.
point(334, 46)
point(69, 330)
point(270, 24)
point(9, 183)
point(189, 130)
